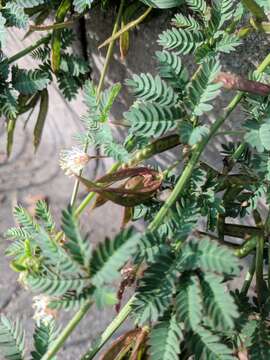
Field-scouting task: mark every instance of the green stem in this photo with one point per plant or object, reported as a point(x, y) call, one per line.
point(249, 277)
point(192, 164)
point(259, 268)
point(114, 325)
point(56, 346)
point(267, 233)
point(29, 49)
point(99, 89)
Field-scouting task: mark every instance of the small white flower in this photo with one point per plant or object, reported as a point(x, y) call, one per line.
point(42, 312)
point(73, 161)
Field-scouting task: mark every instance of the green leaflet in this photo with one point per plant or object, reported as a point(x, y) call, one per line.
point(202, 89)
point(259, 347)
point(110, 256)
point(206, 345)
point(181, 41)
point(79, 248)
point(165, 339)
point(153, 298)
point(15, 15)
point(258, 135)
point(189, 306)
point(172, 70)
point(43, 213)
point(2, 31)
point(209, 256)
point(28, 82)
point(190, 135)
point(220, 305)
point(55, 285)
point(163, 4)
point(81, 5)
point(11, 339)
point(149, 89)
point(152, 119)
point(44, 335)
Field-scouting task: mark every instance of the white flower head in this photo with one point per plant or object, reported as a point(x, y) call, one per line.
point(42, 312)
point(73, 161)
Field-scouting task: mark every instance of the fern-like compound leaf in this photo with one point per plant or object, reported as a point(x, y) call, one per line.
point(81, 5)
point(188, 23)
point(71, 300)
point(163, 4)
point(2, 31)
point(152, 89)
point(190, 135)
point(165, 339)
point(260, 340)
point(208, 256)
point(220, 305)
point(43, 213)
point(227, 43)
point(15, 15)
point(78, 247)
point(111, 255)
point(69, 85)
point(171, 69)
point(152, 119)
point(189, 307)
point(25, 220)
point(198, 6)
point(221, 11)
point(153, 298)
point(73, 65)
point(205, 345)
point(11, 339)
point(202, 89)
point(29, 81)
point(56, 285)
point(181, 40)
point(30, 3)
point(8, 103)
point(44, 335)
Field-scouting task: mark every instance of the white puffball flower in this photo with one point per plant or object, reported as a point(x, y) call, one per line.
point(73, 161)
point(42, 312)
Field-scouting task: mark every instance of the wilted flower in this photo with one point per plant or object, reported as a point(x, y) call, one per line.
point(42, 312)
point(73, 161)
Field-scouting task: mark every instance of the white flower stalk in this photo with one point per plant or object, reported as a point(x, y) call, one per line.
point(42, 312)
point(73, 161)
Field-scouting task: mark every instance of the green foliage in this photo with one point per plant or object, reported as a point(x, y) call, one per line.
point(44, 335)
point(147, 88)
point(207, 255)
point(163, 4)
point(11, 339)
point(190, 135)
point(181, 40)
point(219, 304)
point(110, 256)
point(81, 5)
point(28, 82)
point(205, 345)
point(152, 119)
point(78, 247)
point(202, 89)
point(259, 347)
point(189, 307)
point(43, 213)
point(165, 339)
point(15, 15)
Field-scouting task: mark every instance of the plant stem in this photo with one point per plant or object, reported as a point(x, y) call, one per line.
point(114, 325)
point(99, 89)
point(259, 268)
point(192, 164)
point(249, 277)
point(58, 343)
point(27, 50)
point(128, 27)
